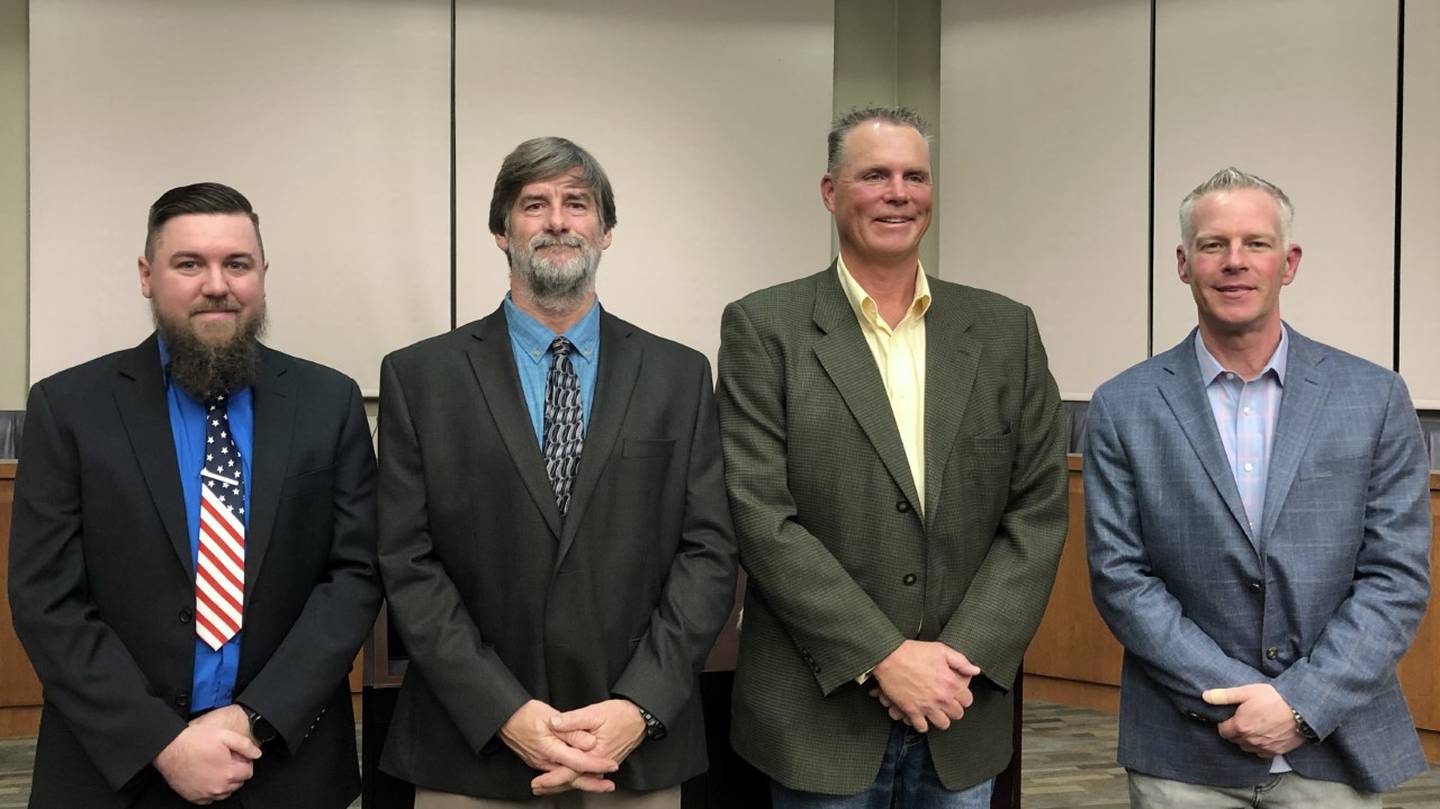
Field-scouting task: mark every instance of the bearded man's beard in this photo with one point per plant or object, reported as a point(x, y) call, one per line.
point(558, 285)
point(205, 370)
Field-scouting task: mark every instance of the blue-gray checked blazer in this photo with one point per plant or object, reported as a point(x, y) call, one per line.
point(1321, 599)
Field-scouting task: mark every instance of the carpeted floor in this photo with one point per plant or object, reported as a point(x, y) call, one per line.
point(1069, 764)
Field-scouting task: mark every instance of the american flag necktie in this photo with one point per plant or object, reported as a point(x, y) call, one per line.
point(564, 429)
point(220, 564)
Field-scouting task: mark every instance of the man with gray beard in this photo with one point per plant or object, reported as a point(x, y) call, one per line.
point(192, 563)
point(555, 538)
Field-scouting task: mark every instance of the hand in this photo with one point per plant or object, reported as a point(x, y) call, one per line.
point(617, 728)
point(1263, 723)
point(207, 762)
point(925, 683)
point(529, 733)
point(231, 717)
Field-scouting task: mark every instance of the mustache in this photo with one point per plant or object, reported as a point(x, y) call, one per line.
point(551, 240)
point(226, 305)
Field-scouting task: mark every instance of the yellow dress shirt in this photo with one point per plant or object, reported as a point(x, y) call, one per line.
point(900, 356)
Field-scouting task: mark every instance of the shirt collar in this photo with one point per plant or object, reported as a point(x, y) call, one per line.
point(534, 338)
point(865, 306)
point(1210, 368)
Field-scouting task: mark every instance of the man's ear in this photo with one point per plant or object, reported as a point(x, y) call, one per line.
point(143, 264)
point(1292, 263)
point(1182, 265)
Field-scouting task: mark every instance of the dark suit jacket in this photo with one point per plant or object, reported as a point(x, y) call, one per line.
point(1320, 599)
point(102, 582)
point(843, 565)
point(499, 600)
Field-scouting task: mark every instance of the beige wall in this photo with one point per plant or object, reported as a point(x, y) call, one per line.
point(14, 193)
point(888, 52)
point(1046, 130)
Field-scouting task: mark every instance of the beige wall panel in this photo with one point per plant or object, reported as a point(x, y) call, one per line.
point(1420, 207)
point(709, 118)
point(331, 116)
point(13, 217)
point(1301, 92)
point(1043, 136)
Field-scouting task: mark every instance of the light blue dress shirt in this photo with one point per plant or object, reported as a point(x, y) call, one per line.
point(531, 340)
point(1245, 413)
point(213, 682)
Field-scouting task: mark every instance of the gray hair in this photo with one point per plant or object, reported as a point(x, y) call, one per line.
point(540, 159)
point(845, 124)
point(1230, 179)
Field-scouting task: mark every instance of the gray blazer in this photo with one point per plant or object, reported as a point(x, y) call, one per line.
point(1321, 600)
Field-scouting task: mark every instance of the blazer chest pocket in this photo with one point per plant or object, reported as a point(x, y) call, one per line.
point(1319, 468)
point(648, 447)
point(319, 481)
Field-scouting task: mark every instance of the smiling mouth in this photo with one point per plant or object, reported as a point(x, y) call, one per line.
point(894, 220)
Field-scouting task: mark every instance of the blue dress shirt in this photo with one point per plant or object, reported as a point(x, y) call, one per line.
point(213, 683)
point(531, 340)
point(1246, 411)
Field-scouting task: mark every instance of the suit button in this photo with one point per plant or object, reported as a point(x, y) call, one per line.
point(1256, 587)
point(909, 579)
point(182, 700)
point(185, 616)
point(902, 506)
point(1272, 652)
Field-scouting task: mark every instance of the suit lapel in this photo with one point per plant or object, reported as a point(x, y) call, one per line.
point(140, 398)
point(619, 369)
point(493, 361)
point(847, 360)
point(1303, 396)
point(952, 359)
point(1184, 392)
point(274, 397)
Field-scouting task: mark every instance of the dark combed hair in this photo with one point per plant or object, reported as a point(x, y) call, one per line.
point(540, 159)
point(200, 198)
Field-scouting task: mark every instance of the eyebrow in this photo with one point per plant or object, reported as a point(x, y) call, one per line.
point(186, 254)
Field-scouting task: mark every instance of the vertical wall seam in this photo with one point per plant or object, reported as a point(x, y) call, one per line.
point(1399, 169)
point(1150, 211)
point(454, 219)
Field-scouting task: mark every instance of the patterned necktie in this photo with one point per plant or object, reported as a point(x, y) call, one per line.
point(220, 565)
point(564, 429)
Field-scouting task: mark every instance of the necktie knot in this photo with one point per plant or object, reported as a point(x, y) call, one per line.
point(561, 346)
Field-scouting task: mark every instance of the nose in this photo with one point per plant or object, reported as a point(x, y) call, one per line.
point(896, 191)
point(555, 219)
point(213, 283)
point(1235, 258)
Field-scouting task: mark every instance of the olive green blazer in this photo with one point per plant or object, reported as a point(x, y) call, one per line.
point(843, 564)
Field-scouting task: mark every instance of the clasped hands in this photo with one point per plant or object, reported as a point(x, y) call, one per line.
point(212, 757)
point(576, 749)
point(924, 684)
point(1263, 723)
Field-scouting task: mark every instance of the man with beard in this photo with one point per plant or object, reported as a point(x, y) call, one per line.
point(554, 535)
point(192, 555)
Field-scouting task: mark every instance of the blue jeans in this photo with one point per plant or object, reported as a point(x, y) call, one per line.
point(907, 780)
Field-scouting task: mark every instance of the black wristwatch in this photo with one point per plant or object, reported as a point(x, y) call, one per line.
point(654, 728)
point(262, 730)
